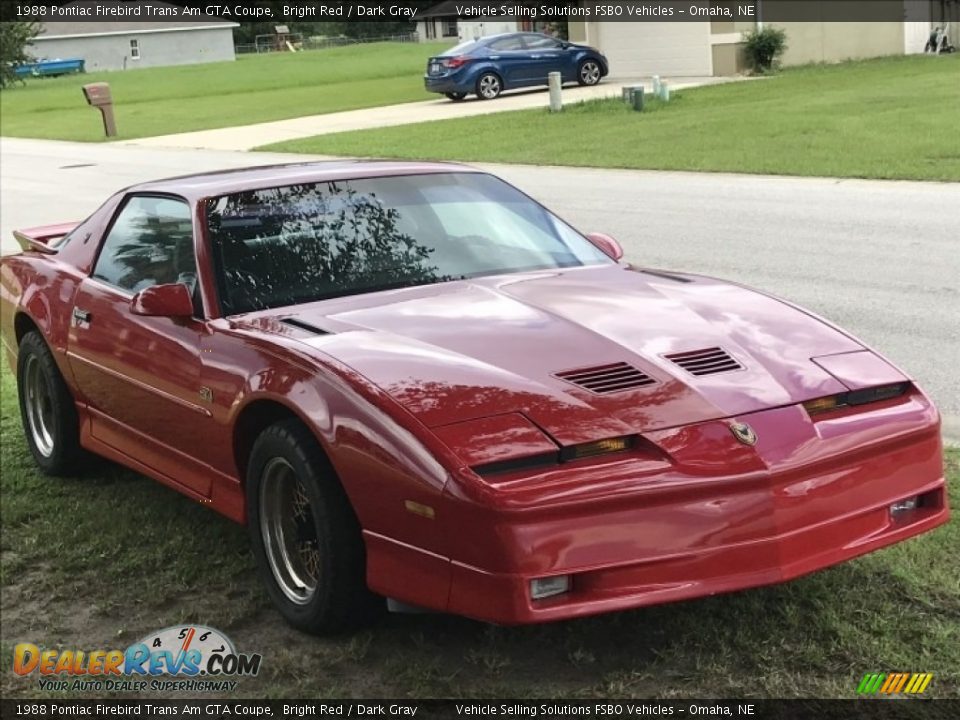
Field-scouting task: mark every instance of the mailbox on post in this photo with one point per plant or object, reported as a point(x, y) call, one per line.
point(98, 95)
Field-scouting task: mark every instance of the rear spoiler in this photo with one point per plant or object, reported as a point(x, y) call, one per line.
point(43, 239)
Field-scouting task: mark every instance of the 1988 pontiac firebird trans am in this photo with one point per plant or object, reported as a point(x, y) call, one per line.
point(412, 381)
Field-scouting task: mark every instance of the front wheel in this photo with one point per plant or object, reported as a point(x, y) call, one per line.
point(489, 86)
point(589, 72)
point(456, 96)
point(47, 409)
point(306, 538)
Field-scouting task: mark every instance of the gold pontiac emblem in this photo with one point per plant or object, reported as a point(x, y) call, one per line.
point(744, 433)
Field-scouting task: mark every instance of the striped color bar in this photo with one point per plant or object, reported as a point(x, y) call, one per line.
point(894, 683)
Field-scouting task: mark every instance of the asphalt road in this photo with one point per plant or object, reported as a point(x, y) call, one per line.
point(881, 259)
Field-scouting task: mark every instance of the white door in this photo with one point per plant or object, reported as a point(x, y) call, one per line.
point(640, 49)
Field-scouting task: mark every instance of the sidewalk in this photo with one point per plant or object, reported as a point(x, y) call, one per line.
point(248, 137)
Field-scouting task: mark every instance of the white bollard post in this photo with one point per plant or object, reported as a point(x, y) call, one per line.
point(556, 98)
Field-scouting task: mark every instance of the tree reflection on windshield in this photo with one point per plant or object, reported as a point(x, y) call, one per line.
point(312, 241)
point(299, 243)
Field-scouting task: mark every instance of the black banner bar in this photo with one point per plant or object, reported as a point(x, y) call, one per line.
point(865, 708)
point(570, 10)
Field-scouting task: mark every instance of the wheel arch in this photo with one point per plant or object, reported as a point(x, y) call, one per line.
point(255, 417)
point(22, 324)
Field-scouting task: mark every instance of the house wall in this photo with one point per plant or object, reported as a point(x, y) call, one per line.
point(485, 27)
point(435, 29)
point(835, 41)
point(635, 48)
point(112, 52)
point(729, 59)
point(727, 47)
point(577, 31)
point(422, 32)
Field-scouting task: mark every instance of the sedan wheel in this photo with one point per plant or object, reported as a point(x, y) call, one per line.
point(589, 72)
point(489, 86)
point(47, 409)
point(456, 96)
point(305, 536)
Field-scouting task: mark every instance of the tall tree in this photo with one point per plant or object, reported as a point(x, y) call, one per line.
point(14, 38)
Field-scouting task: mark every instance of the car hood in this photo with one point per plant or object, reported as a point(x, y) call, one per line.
point(471, 349)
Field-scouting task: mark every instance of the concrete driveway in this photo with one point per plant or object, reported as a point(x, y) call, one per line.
point(879, 258)
point(247, 137)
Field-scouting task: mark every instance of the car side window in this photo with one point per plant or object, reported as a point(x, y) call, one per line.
point(541, 42)
point(150, 243)
point(509, 44)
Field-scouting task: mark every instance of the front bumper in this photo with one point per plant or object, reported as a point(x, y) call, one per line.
point(707, 515)
point(504, 598)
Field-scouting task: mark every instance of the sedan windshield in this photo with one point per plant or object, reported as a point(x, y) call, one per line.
point(301, 243)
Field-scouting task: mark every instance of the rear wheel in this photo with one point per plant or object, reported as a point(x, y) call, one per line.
point(489, 86)
point(589, 72)
point(456, 96)
point(306, 538)
point(47, 409)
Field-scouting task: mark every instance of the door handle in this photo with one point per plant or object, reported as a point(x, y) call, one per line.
point(81, 316)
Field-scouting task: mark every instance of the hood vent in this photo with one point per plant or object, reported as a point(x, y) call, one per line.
point(710, 361)
point(605, 379)
point(293, 322)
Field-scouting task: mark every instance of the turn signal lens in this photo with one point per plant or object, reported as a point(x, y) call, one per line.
point(821, 405)
point(599, 447)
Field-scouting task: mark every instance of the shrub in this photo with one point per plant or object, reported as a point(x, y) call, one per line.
point(764, 47)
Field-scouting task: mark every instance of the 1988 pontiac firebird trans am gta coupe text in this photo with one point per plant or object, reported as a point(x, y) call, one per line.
point(412, 381)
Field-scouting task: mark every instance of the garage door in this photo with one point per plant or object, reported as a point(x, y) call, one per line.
point(653, 48)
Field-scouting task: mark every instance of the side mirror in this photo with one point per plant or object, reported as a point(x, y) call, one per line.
point(607, 244)
point(171, 301)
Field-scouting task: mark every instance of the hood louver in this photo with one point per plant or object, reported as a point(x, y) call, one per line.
point(605, 379)
point(709, 361)
point(293, 322)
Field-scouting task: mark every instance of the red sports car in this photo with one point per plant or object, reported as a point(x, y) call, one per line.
point(413, 381)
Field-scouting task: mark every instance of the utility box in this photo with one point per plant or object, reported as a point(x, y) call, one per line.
point(98, 96)
point(633, 95)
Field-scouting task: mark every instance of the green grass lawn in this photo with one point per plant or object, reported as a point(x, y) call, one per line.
point(98, 561)
point(253, 89)
point(890, 118)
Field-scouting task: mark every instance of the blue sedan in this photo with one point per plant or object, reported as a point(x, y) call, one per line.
point(490, 65)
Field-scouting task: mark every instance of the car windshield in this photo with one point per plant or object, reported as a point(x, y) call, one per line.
point(301, 243)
